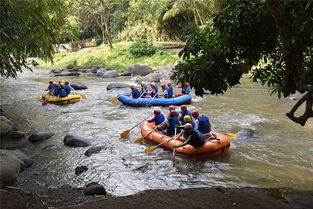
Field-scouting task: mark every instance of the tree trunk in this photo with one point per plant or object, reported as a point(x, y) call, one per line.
point(292, 49)
point(105, 25)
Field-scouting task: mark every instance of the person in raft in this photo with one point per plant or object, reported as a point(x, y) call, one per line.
point(50, 87)
point(67, 87)
point(170, 90)
point(202, 123)
point(170, 124)
point(62, 91)
point(183, 112)
point(135, 92)
point(192, 136)
point(158, 117)
point(187, 119)
point(185, 88)
point(144, 89)
point(57, 88)
point(154, 90)
point(164, 90)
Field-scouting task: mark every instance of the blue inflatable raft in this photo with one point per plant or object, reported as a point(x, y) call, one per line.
point(126, 98)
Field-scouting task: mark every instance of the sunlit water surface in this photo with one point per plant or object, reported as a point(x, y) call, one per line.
point(280, 154)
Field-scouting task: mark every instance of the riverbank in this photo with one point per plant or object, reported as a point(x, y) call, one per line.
point(116, 59)
point(38, 197)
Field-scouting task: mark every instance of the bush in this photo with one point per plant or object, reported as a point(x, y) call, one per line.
point(142, 48)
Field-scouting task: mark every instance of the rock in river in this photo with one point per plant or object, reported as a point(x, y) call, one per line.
point(117, 85)
point(78, 86)
point(80, 169)
point(75, 141)
point(110, 74)
point(94, 150)
point(139, 69)
point(40, 136)
point(94, 188)
point(9, 168)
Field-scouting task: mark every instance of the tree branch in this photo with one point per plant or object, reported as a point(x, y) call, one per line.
point(308, 113)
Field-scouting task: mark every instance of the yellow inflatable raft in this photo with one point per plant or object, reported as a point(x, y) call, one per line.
point(72, 98)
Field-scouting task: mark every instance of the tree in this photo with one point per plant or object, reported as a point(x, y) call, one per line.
point(273, 40)
point(28, 29)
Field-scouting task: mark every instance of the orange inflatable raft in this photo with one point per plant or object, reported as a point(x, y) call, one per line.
point(210, 149)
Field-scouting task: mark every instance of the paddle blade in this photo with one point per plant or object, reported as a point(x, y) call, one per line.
point(114, 99)
point(151, 149)
point(84, 96)
point(124, 133)
point(45, 102)
point(137, 99)
point(231, 135)
point(139, 140)
point(38, 98)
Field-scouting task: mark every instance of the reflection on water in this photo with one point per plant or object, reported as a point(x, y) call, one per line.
point(280, 154)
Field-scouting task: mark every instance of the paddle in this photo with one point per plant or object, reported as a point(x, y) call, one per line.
point(173, 158)
point(84, 96)
point(151, 149)
point(38, 98)
point(231, 135)
point(139, 140)
point(126, 132)
point(45, 102)
point(141, 95)
point(149, 104)
point(114, 99)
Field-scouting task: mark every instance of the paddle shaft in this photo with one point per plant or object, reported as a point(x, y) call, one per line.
point(173, 158)
point(141, 95)
point(140, 122)
point(152, 99)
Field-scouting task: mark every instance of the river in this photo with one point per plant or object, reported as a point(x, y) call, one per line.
point(280, 154)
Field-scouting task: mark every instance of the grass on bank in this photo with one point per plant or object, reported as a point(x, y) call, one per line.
point(117, 59)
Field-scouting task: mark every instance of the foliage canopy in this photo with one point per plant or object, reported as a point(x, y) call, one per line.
point(28, 29)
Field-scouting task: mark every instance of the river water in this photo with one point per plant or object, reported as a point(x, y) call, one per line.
point(279, 155)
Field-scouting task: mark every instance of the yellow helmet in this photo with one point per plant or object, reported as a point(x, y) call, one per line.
point(187, 118)
point(142, 83)
point(152, 84)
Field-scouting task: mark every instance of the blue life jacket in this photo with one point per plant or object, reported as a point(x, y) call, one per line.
point(170, 91)
point(56, 90)
point(196, 138)
point(158, 119)
point(155, 92)
point(165, 92)
point(135, 93)
point(51, 87)
point(183, 113)
point(204, 124)
point(193, 124)
point(144, 89)
point(186, 90)
point(62, 93)
point(67, 89)
point(172, 121)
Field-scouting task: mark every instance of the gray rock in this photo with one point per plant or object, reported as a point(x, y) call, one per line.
point(40, 136)
point(94, 70)
point(110, 74)
point(94, 188)
point(152, 77)
point(245, 134)
point(100, 72)
point(78, 85)
point(5, 128)
point(9, 168)
point(16, 134)
point(94, 150)
point(1, 112)
point(80, 169)
point(5, 119)
point(56, 70)
point(75, 141)
point(117, 85)
point(68, 74)
point(126, 73)
point(26, 160)
point(139, 69)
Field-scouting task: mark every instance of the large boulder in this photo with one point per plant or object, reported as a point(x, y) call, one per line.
point(117, 85)
point(110, 74)
point(9, 168)
point(139, 69)
point(78, 85)
point(100, 72)
point(75, 141)
point(5, 128)
point(36, 137)
point(94, 188)
point(5, 119)
point(16, 134)
point(152, 77)
point(94, 70)
point(94, 150)
point(56, 70)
